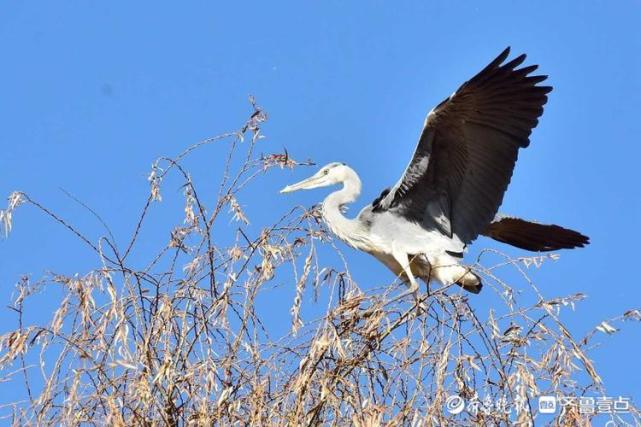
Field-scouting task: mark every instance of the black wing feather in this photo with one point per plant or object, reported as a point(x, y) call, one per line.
point(466, 153)
point(533, 236)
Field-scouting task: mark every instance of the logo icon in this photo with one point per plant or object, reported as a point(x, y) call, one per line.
point(547, 404)
point(455, 404)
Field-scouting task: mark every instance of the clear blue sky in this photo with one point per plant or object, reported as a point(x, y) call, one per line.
point(91, 94)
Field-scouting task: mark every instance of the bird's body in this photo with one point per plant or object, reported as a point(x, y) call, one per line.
point(453, 186)
point(387, 237)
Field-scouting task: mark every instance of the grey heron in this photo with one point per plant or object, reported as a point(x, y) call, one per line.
point(452, 188)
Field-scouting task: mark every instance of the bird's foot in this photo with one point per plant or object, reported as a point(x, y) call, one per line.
point(413, 290)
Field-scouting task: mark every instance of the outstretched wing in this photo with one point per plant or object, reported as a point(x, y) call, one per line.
point(466, 153)
point(534, 236)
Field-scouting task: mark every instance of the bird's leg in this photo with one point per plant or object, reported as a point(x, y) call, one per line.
point(404, 261)
point(428, 266)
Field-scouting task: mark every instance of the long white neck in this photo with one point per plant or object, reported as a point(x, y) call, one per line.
point(348, 230)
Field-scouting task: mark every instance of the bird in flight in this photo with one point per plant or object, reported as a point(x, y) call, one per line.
point(454, 184)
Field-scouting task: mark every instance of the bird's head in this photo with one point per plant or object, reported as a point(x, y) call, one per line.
point(331, 174)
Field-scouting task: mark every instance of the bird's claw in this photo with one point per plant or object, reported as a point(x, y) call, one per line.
point(414, 292)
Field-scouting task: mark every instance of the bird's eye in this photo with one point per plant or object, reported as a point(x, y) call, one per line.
point(326, 171)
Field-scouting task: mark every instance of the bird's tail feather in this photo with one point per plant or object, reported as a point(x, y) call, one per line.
point(461, 275)
point(533, 236)
point(471, 282)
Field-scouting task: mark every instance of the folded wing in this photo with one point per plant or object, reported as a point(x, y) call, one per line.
point(533, 236)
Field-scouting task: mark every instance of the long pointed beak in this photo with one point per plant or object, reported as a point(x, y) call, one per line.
point(306, 184)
